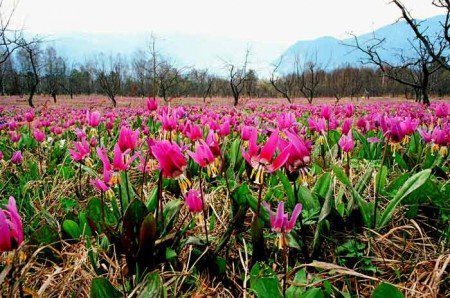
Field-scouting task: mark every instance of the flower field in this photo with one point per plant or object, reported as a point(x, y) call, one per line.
point(261, 200)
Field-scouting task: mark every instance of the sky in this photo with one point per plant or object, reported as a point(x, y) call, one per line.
point(268, 21)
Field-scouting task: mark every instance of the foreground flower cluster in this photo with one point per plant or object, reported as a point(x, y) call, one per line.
point(148, 179)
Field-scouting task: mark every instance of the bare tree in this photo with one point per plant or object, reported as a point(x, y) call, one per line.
point(110, 76)
point(432, 44)
point(238, 77)
point(30, 60)
point(285, 85)
point(10, 39)
point(413, 72)
point(167, 77)
point(308, 77)
point(54, 71)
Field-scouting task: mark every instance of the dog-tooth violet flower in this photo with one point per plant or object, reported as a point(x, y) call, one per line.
point(260, 159)
point(128, 138)
point(17, 157)
point(346, 143)
point(81, 152)
point(93, 119)
point(193, 201)
point(204, 157)
point(11, 229)
point(172, 162)
point(280, 222)
point(152, 104)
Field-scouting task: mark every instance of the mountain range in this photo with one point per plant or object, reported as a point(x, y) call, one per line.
point(215, 52)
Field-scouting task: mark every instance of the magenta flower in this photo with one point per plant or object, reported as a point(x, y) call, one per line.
point(17, 157)
point(325, 112)
point(194, 201)
point(128, 138)
point(299, 152)
point(171, 161)
point(442, 110)
point(1, 155)
point(81, 151)
point(152, 104)
point(280, 221)
point(346, 143)
point(213, 143)
point(39, 135)
point(93, 119)
point(204, 157)
point(260, 159)
point(15, 136)
point(193, 132)
point(347, 126)
point(29, 116)
point(11, 230)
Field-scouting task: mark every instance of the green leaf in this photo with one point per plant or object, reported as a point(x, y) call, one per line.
point(170, 254)
point(71, 228)
point(416, 181)
point(287, 188)
point(132, 220)
point(153, 286)
point(386, 290)
point(313, 293)
point(322, 185)
point(102, 288)
point(264, 282)
point(381, 178)
point(341, 176)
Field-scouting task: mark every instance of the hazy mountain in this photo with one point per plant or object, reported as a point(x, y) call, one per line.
point(213, 51)
point(331, 52)
point(186, 50)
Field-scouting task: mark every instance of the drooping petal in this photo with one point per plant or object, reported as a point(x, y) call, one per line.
point(5, 238)
point(291, 223)
point(269, 148)
point(280, 160)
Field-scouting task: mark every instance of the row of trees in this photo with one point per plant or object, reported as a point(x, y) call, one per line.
point(28, 66)
point(34, 69)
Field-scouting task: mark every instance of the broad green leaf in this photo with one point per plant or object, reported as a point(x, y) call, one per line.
point(416, 181)
point(264, 282)
point(102, 288)
point(71, 228)
point(385, 290)
point(287, 188)
point(153, 286)
point(322, 185)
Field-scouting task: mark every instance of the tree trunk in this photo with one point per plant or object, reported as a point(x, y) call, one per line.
point(54, 96)
point(114, 101)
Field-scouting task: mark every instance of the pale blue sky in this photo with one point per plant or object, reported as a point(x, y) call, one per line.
point(276, 21)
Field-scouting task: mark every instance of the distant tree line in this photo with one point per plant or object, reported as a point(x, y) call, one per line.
point(28, 67)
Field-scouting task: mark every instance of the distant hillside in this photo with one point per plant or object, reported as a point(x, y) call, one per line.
point(187, 50)
point(332, 53)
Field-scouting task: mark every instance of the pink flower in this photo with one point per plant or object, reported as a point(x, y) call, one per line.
point(193, 132)
point(442, 110)
point(128, 138)
point(81, 151)
point(152, 104)
point(17, 158)
point(346, 143)
point(29, 116)
point(347, 125)
point(349, 109)
point(325, 112)
point(260, 159)
point(171, 161)
point(194, 201)
point(93, 118)
point(280, 221)
point(299, 152)
point(1, 155)
point(202, 155)
point(39, 135)
point(11, 230)
point(15, 136)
